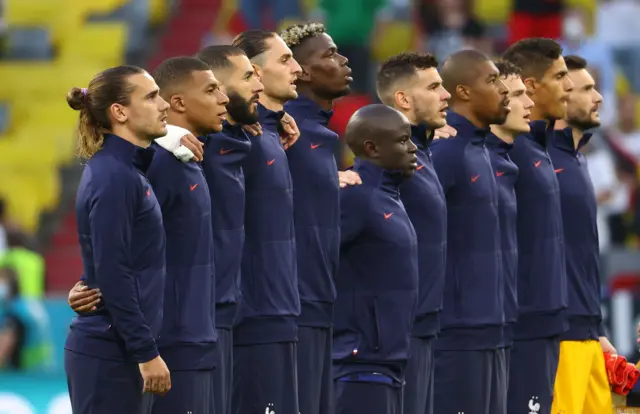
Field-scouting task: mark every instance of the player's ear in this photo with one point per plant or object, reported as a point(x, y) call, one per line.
point(177, 103)
point(402, 100)
point(463, 92)
point(370, 149)
point(531, 84)
point(118, 112)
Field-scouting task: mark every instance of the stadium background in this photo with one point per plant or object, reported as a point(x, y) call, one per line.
point(48, 46)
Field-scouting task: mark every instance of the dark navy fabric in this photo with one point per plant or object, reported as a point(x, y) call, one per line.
point(223, 374)
point(506, 176)
point(532, 373)
point(316, 197)
point(270, 299)
point(368, 394)
point(579, 211)
point(265, 379)
point(315, 376)
point(188, 335)
point(224, 154)
point(101, 386)
point(426, 206)
point(418, 389)
point(542, 279)
point(377, 282)
point(122, 242)
point(464, 382)
point(191, 392)
point(473, 311)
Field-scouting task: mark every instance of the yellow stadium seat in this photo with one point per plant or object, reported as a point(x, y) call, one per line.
point(159, 11)
point(29, 192)
point(101, 44)
point(31, 12)
point(492, 11)
point(394, 37)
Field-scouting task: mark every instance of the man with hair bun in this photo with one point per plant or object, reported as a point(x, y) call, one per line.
point(325, 76)
point(111, 354)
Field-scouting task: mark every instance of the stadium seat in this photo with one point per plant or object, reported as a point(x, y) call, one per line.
point(28, 43)
point(102, 44)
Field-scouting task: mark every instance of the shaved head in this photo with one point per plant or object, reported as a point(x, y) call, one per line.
point(370, 123)
point(382, 135)
point(461, 68)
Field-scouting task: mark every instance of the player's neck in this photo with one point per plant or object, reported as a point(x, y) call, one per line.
point(271, 103)
point(505, 135)
point(467, 112)
point(576, 133)
point(537, 114)
point(128, 135)
point(325, 104)
point(180, 121)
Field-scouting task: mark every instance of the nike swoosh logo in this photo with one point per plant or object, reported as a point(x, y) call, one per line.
point(475, 178)
point(225, 151)
point(499, 173)
point(314, 146)
point(537, 164)
point(271, 161)
point(193, 187)
point(559, 170)
point(386, 216)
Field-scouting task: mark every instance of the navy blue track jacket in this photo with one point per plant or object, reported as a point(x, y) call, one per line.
point(224, 154)
point(579, 209)
point(188, 336)
point(426, 206)
point(542, 280)
point(506, 175)
point(316, 200)
point(377, 282)
point(270, 300)
point(122, 243)
point(473, 310)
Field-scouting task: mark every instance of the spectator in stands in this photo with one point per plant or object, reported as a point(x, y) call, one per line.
point(450, 28)
point(577, 41)
point(615, 26)
point(536, 18)
point(352, 24)
point(628, 133)
point(25, 341)
point(255, 11)
point(28, 265)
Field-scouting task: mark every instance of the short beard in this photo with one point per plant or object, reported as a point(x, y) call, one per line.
point(239, 109)
point(583, 123)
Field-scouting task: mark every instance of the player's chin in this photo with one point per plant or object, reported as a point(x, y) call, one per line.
point(161, 131)
point(293, 94)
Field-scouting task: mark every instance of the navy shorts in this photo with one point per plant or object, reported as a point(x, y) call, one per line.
point(368, 393)
point(265, 379)
point(191, 392)
point(100, 386)
point(223, 374)
point(532, 374)
point(418, 389)
point(470, 382)
point(315, 381)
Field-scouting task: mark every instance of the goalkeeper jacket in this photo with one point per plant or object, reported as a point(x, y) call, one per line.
point(579, 209)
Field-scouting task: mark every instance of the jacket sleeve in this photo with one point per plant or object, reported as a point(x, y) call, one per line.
point(353, 212)
point(115, 196)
